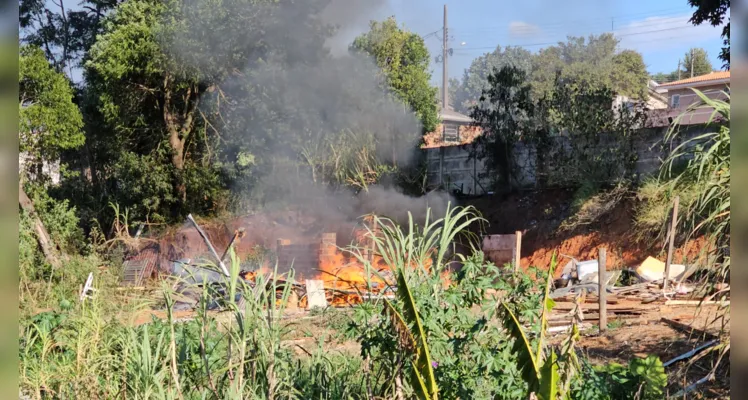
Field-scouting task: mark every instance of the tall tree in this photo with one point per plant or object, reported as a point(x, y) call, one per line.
point(404, 58)
point(696, 62)
point(65, 35)
point(162, 74)
point(629, 75)
point(504, 112)
point(49, 121)
point(594, 62)
point(714, 12)
point(465, 93)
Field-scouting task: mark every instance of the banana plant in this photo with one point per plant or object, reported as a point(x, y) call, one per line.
point(538, 369)
point(415, 341)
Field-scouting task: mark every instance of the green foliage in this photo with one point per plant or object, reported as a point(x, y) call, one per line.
point(505, 113)
point(580, 136)
point(49, 121)
point(423, 370)
point(696, 62)
point(464, 94)
point(592, 64)
point(697, 170)
point(404, 59)
point(643, 378)
point(539, 366)
point(714, 12)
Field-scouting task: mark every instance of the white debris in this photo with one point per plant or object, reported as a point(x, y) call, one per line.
point(315, 294)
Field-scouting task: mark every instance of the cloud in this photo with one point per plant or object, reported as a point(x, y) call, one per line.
point(663, 33)
point(520, 29)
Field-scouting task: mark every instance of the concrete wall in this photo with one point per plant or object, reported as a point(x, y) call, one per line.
point(454, 168)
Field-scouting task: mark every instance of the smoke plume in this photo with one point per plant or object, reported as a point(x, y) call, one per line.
point(297, 96)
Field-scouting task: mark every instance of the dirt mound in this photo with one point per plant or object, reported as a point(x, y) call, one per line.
point(539, 215)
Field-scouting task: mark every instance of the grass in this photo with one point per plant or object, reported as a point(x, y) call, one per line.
point(432, 341)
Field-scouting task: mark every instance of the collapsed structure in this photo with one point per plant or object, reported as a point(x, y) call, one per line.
point(191, 255)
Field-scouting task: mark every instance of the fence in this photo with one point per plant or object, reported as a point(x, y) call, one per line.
point(457, 169)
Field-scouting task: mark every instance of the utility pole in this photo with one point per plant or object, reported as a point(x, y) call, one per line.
point(691, 63)
point(445, 89)
point(679, 69)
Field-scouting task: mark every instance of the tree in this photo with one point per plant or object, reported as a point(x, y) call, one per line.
point(696, 62)
point(464, 94)
point(568, 129)
point(63, 34)
point(593, 62)
point(504, 113)
point(164, 77)
point(404, 59)
point(629, 74)
point(714, 12)
point(49, 121)
point(662, 77)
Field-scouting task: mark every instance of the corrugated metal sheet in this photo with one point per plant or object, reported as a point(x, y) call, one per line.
point(139, 266)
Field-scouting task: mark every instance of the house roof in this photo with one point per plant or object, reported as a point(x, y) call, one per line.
point(454, 116)
point(713, 77)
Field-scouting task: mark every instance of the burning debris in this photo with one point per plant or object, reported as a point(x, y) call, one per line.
point(343, 277)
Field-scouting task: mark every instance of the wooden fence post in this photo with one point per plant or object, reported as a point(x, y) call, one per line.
point(601, 292)
point(517, 250)
point(673, 223)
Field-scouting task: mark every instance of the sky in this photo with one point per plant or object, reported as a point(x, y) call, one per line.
point(659, 30)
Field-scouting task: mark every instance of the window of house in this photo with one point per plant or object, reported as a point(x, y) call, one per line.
point(451, 133)
point(675, 101)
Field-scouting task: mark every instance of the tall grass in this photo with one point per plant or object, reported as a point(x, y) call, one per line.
point(436, 339)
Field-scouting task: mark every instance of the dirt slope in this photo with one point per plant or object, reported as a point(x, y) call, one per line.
point(538, 214)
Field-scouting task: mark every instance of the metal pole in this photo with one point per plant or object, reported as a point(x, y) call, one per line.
point(601, 292)
point(671, 243)
point(691, 63)
point(210, 245)
point(445, 94)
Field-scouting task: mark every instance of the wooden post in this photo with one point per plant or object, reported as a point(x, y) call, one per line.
point(517, 250)
point(670, 245)
point(601, 292)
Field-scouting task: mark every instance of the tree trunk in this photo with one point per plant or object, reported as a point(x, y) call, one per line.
point(42, 236)
point(179, 125)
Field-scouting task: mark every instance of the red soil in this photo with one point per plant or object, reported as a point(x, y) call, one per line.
point(539, 214)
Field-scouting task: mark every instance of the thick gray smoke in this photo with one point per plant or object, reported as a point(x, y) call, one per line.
point(351, 17)
point(298, 97)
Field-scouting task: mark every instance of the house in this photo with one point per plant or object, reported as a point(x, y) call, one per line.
point(681, 96)
point(656, 100)
point(455, 129)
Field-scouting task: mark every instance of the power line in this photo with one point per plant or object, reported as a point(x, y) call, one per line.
point(605, 20)
point(602, 28)
point(556, 42)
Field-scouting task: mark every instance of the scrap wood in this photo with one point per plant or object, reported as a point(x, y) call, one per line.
point(620, 307)
point(588, 299)
point(696, 302)
point(687, 329)
point(589, 317)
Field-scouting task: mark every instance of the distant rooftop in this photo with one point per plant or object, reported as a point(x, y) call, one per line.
point(701, 79)
point(454, 116)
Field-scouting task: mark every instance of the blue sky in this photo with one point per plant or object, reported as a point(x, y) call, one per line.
point(658, 29)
